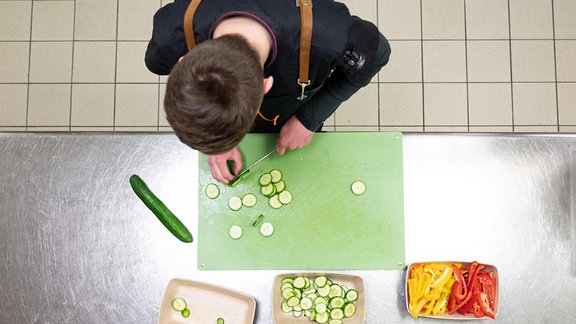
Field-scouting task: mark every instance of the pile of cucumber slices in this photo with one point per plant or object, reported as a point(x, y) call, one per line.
point(319, 299)
point(273, 186)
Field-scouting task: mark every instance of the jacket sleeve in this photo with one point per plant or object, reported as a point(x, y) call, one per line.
point(345, 81)
point(153, 60)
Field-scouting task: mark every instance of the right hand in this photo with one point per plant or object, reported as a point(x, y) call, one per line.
point(219, 165)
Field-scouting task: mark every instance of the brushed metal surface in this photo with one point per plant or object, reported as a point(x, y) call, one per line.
point(77, 246)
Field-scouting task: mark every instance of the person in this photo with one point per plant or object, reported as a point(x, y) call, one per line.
point(243, 74)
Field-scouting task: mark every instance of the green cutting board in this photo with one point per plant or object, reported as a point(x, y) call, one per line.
point(326, 226)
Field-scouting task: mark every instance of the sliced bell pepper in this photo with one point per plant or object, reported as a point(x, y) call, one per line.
point(485, 305)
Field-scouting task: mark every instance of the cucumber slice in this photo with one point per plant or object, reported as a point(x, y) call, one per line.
point(235, 232)
point(235, 203)
point(268, 190)
point(320, 281)
point(266, 229)
point(212, 191)
point(351, 295)
point(358, 187)
point(285, 197)
point(276, 175)
point(320, 308)
point(306, 303)
point(249, 200)
point(299, 282)
point(337, 302)
point(337, 313)
point(280, 186)
point(265, 179)
point(349, 310)
point(179, 304)
point(285, 308)
point(322, 317)
point(275, 202)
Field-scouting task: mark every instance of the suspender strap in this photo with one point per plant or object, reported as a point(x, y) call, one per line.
point(188, 25)
point(306, 23)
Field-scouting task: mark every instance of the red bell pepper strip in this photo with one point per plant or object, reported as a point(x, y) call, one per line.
point(464, 309)
point(485, 305)
point(452, 300)
point(462, 290)
point(477, 310)
point(488, 286)
point(471, 282)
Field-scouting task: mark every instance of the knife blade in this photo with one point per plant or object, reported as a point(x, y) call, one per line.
point(255, 163)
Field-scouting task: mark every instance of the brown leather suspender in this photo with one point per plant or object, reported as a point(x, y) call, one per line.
point(305, 43)
point(188, 23)
point(306, 23)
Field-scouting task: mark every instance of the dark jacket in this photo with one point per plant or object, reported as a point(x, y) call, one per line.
point(340, 43)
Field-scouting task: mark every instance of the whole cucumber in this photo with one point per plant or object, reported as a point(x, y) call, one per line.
point(172, 223)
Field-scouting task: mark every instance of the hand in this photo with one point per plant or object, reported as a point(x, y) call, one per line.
point(293, 135)
point(219, 165)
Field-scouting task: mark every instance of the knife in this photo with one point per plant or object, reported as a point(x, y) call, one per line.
point(239, 176)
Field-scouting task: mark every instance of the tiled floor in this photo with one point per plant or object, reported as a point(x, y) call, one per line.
point(457, 65)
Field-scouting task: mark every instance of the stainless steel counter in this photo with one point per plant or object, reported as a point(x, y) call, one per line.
point(77, 246)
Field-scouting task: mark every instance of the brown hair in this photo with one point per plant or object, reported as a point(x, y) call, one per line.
point(214, 93)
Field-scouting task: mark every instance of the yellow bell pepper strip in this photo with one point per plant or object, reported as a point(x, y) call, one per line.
point(429, 287)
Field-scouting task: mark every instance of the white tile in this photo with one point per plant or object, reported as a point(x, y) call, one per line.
point(15, 20)
point(365, 9)
point(15, 58)
point(490, 104)
point(445, 105)
point(400, 19)
point(13, 99)
point(91, 129)
point(568, 129)
point(343, 128)
point(137, 129)
point(94, 61)
point(360, 109)
point(51, 62)
point(136, 24)
point(405, 63)
point(533, 60)
point(95, 20)
point(535, 129)
point(130, 63)
point(53, 20)
point(443, 19)
point(403, 129)
point(534, 104)
point(13, 129)
point(47, 129)
point(401, 104)
point(531, 19)
point(487, 19)
point(566, 60)
point(564, 22)
point(136, 105)
point(49, 105)
point(446, 129)
point(488, 61)
point(444, 61)
point(92, 105)
point(161, 112)
point(491, 129)
point(567, 103)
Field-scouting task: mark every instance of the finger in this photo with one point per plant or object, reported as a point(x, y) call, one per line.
point(215, 170)
point(237, 158)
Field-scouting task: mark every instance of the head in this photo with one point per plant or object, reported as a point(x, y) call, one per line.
point(214, 93)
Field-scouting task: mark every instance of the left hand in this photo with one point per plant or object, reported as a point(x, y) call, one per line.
point(293, 135)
